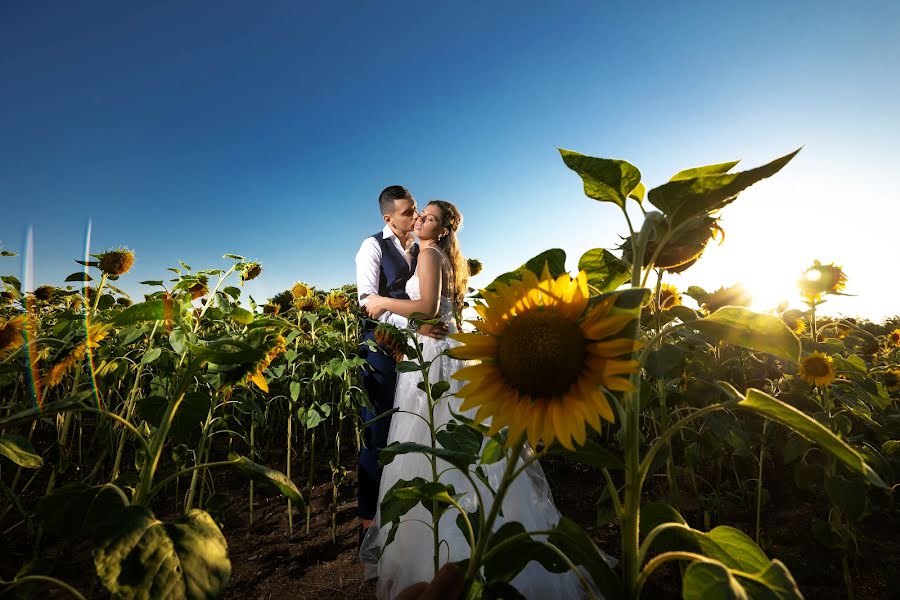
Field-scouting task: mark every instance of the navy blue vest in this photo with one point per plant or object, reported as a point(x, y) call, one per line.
point(394, 272)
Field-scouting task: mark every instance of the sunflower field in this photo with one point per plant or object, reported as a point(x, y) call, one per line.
point(196, 445)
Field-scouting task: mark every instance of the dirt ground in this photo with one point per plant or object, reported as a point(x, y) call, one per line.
point(269, 560)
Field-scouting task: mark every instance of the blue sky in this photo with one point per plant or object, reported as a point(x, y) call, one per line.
point(187, 130)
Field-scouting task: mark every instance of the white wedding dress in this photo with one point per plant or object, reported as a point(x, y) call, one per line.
point(409, 558)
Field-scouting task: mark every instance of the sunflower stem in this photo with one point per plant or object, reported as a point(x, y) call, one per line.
point(511, 460)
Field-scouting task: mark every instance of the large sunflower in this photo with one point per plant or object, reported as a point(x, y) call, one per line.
point(817, 369)
point(544, 357)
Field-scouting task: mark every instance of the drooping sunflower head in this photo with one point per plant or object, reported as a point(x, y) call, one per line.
point(794, 319)
point(44, 293)
point(116, 262)
point(199, 289)
point(11, 334)
point(682, 250)
point(894, 338)
point(735, 295)
point(338, 301)
point(545, 356)
point(475, 266)
point(7, 298)
point(391, 340)
point(274, 347)
point(124, 302)
point(308, 303)
point(250, 271)
point(821, 279)
point(669, 296)
point(817, 369)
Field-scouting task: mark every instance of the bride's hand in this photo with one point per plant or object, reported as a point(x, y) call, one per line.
point(374, 305)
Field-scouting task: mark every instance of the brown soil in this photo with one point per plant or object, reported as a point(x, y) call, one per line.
point(269, 560)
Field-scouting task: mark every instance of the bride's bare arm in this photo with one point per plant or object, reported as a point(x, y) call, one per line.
point(429, 286)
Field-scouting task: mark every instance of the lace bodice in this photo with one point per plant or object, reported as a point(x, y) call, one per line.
point(414, 292)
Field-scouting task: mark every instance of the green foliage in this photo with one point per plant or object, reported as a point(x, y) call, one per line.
point(137, 556)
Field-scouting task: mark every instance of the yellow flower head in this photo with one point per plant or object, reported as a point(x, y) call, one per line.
point(894, 337)
point(821, 279)
point(338, 301)
point(250, 271)
point(817, 369)
point(97, 332)
point(116, 262)
point(892, 380)
point(735, 295)
point(300, 290)
point(794, 319)
point(11, 334)
point(669, 296)
point(475, 266)
point(544, 355)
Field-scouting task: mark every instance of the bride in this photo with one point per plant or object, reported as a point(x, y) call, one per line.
point(437, 289)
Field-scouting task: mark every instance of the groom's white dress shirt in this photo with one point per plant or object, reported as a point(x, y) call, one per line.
point(368, 265)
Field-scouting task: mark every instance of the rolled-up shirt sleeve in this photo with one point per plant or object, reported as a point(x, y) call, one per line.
point(368, 266)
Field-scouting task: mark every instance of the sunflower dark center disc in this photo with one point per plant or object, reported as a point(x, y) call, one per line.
point(542, 353)
point(816, 367)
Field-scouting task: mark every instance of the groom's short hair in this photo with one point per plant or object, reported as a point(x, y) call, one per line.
point(390, 195)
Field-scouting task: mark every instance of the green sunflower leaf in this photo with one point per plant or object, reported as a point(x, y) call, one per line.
point(554, 259)
point(707, 191)
point(605, 179)
point(605, 271)
point(743, 327)
point(19, 450)
point(138, 556)
point(776, 410)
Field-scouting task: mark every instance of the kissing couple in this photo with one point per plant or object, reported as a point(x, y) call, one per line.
point(414, 265)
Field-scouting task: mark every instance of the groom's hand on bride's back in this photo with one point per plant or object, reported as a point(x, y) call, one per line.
point(448, 584)
point(437, 331)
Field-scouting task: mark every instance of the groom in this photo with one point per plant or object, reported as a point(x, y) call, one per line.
point(384, 263)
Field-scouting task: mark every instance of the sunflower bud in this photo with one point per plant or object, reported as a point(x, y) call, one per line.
point(116, 262)
point(475, 267)
point(123, 302)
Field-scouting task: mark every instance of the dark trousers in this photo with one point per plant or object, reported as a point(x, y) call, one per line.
point(379, 384)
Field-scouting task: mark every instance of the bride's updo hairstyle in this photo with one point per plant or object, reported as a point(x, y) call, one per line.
point(459, 268)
